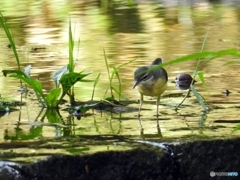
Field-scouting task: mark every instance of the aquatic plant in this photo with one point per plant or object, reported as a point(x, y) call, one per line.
point(66, 77)
point(115, 73)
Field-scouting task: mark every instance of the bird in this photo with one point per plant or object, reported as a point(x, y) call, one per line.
point(151, 81)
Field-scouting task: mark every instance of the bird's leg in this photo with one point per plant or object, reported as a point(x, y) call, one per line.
point(158, 100)
point(158, 126)
point(139, 119)
point(140, 106)
point(141, 128)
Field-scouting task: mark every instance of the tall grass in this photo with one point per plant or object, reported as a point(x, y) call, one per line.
point(111, 76)
point(70, 48)
point(95, 84)
point(10, 38)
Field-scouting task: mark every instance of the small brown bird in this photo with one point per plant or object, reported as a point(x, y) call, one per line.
point(151, 82)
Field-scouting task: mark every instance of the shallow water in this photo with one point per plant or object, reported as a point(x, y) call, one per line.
point(144, 31)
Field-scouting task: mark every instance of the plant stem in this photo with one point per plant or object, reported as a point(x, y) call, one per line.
point(194, 74)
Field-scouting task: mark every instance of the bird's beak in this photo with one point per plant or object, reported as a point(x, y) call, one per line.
point(135, 84)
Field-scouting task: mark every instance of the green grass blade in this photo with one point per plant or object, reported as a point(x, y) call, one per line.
point(119, 94)
point(116, 72)
point(96, 80)
point(201, 77)
point(204, 41)
point(9, 36)
point(206, 54)
point(108, 71)
point(194, 75)
point(105, 94)
point(124, 64)
point(71, 47)
point(199, 98)
point(237, 128)
point(95, 84)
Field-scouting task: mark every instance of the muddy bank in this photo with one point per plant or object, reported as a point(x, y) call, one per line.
point(192, 160)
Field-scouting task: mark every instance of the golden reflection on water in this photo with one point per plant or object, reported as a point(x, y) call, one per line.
point(142, 32)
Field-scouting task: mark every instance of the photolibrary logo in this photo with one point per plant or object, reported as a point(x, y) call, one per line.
point(212, 173)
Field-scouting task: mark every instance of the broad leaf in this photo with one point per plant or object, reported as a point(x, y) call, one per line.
point(68, 80)
point(27, 71)
point(18, 72)
point(35, 84)
point(52, 97)
point(58, 74)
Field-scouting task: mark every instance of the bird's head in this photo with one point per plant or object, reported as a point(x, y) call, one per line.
point(141, 75)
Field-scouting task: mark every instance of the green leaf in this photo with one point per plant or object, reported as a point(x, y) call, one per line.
point(124, 64)
point(71, 47)
point(108, 71)
point(116, 72)
point(87, 80)
point(27, 71)
point(10, 38)
point(58, 74)
point(237, 128)
point(52, 97)
point(96, 80)
point(201, 77)
point(194, 56)
point(199, 98)
point(18, 72)
point(119, 94)
point(35, 84)
point(68, 80)
point(95, 84)
point(53, 116)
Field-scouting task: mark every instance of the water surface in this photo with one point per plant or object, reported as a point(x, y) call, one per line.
point(141, 31)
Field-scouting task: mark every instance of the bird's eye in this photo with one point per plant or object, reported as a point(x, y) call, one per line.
point(145, 77)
